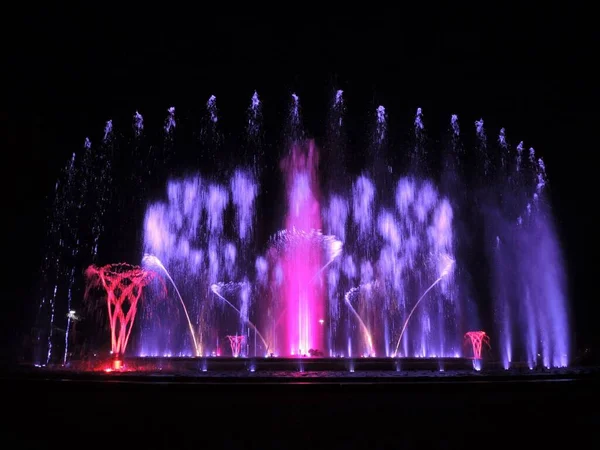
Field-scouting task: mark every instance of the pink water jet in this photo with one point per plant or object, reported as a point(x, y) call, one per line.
point(303, 295)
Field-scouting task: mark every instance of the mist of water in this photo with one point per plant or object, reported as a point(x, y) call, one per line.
point(361, 264)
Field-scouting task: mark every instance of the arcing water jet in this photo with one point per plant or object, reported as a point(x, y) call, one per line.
point(207, 230)
point(151, 260)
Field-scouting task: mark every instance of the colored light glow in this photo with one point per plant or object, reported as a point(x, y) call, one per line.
point(304, 299)
point(123, 284)
point(393, 251)
point(236, 344)
point(477, 339)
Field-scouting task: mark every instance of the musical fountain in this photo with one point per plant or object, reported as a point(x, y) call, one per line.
point(369, 269)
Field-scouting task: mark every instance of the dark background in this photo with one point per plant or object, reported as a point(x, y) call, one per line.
point(71, 69)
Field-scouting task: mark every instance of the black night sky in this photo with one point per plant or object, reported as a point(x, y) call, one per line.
point(69, 70)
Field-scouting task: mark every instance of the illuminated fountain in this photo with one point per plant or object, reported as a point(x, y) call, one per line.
point(303, 299)
point(187, 235)
point(446, 266)
point(374, 263)
point(153, 261)
point(477, 339)
point(367, 334)
point(394, 256)
point(218, 289)
point(123, 285)
point(236, 344)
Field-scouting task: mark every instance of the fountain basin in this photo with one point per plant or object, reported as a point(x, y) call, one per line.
point(187, 365)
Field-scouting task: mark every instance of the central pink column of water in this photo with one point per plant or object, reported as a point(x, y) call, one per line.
point(303, 294)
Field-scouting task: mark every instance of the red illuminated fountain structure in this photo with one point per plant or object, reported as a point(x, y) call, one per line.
point(123, 284)
point(477, 339)
point(236, 344)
